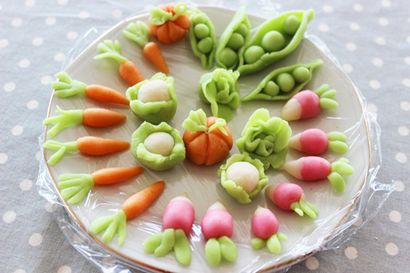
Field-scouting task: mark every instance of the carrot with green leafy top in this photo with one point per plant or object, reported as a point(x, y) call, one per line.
point(134, 206)
point(138, 32)
point(91, 117)
point(112, 50)
point(66, 87)
point(90, 146)
point(75, 187)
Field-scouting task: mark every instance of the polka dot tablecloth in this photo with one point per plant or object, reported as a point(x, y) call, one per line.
point(370, 38)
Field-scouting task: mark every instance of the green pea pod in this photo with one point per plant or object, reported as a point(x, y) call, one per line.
point(167, 243)
point(202, 37)
point(181, 248)
point(228, 249)
point(155, 161)
point(152, 243)
point(154, 111)
point(274, 40)
point(213, 252)
point(273, 87)
point(233, 40)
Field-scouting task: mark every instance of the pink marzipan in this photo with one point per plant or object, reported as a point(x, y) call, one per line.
point(217, 223)
point(314, 168)
point(285, 194)
point(313, 142)
point(309, 103)
point(179, 214)
point(264, 223)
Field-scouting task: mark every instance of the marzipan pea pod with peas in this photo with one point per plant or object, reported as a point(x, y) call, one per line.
point(284, 82)
point(233, 40)
point(202, 37)
point(274, 40)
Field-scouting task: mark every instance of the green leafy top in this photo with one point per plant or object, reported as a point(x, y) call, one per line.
point(66, 87)
point(327, 95)
point(159, 16)
point(110, 50)
point(197, 122)
point(111, 225)
point(138, 32)
point(340, 169)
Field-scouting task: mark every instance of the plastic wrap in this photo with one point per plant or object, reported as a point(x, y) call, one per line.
point(368, 198)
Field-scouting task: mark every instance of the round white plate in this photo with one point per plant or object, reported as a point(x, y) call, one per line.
point(201, 183)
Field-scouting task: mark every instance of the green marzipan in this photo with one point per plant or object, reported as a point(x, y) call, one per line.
point(154, 111)
point(240, 18)
point(156, 161)
point(292, 42)
point(197, 122)
point(259, 94)
point(110, 50)
point(61, 149)
point(198, 17)
point(218, 249)
point(159, 16)
point(137, 32)
point(340, 169)
point(233, 189)
point(170, 240)
point(337, 142)
point(65, 87)
point(67, 118)
point(303, 207)
point(75, 187)
point(327, 97)
point(265, 138)
point(220, 89)
point(273, 243)
point(111, 225)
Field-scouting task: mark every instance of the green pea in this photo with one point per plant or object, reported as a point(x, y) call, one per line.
point(285, 82)
point(253, 53)
point(273, 41)
point(242, 29)
point(228, 57)
point(271, 88)
point(301, 74)
point(291, 25)
point(201, 31)
point(236, 41)
point(205, 45)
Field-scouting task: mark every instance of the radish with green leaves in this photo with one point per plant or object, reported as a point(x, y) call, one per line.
point(316, 142)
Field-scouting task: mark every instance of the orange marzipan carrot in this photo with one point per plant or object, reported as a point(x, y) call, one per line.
point(108, 176)
point(97, 146)
point(141, 201)
point(152, 53)
point(105, 94)
point(100, 117)
point(130, 73)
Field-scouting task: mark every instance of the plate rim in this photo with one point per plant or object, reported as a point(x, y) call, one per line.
point(281, 265)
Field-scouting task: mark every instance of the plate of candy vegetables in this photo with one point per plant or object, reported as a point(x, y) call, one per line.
point(203, 139)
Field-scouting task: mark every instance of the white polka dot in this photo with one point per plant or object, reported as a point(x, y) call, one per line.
point(395, 216)
point(37, 41)
point(380, 40)
point(9, 86)
point(24, 63)
point(375, 84)
point(348, 68)
point(391, 249)
point(327, 9)
point(386, 3)
point(351, 252)
point(50, 207)
point(45, 80)
point(29, 3)
point(62, 2)
point(398, 185)
point(401, 157)
point(17, 130)
point(33, 104)
point(4, 43)
point(371, 107)
point(16, 22)
point(403, 131)
point(50, 21)
point(323, 28)
point(358, 7)
point(116, 14)
point(20, 271)
point(83, 14)
point(35, 239)
point(407, 60)
point(64, 269)
point(405, 105)
point(71, 35)
point(3, 158)
point(312, 263)
point(351, 46)
point(383, 21)
point(26, 185)
point(377, 62)
point(406, 82)
point(38, 156)
point(9, 217)
point(354, 26)
point(59, 57)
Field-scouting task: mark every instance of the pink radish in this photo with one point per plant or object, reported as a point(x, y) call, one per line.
point(217, 227)
point(316, 142)
point(289, 197)
point(308, 104)
point(314, 168)
point(265, 227)
point(177, 221)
